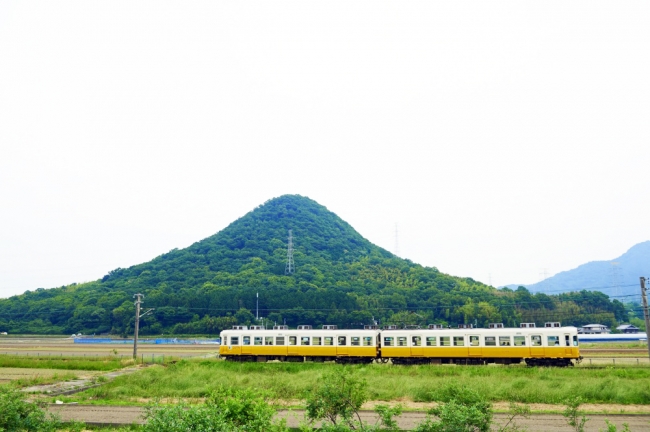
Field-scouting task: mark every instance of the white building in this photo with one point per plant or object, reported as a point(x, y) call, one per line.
point(594, 329)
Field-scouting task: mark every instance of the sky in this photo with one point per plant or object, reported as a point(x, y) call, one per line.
point(504, 141)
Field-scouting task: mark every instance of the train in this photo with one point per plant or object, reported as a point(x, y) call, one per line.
point(551, 345)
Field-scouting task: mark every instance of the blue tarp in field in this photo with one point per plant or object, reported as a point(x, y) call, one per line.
point(90, 340)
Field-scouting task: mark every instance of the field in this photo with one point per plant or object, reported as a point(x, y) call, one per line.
point(610, 374)
point(23, 377)
point(30, 361)
point(195, 379)
point(34, 347)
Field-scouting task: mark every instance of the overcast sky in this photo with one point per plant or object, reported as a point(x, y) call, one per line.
point(504, 139)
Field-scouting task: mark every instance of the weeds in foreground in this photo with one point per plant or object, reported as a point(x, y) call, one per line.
point(572, 414)
point(232, 410)
point(515, 411)
point(612, 427)
point(337, 398)
point(17, 414)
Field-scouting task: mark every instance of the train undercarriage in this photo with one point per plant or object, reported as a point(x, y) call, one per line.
point(300, 359)
point(543, 362)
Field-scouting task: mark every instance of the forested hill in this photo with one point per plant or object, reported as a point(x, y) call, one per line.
point(340, 278)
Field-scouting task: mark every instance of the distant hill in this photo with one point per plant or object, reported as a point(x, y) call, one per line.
point(340, 278)
point(616, 277)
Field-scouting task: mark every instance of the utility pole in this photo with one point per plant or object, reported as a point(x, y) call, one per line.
point(138, 301)
point(257, 307)
point(646, 313)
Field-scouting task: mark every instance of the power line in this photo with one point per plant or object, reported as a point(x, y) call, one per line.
point(289, 268)
point(542, 302)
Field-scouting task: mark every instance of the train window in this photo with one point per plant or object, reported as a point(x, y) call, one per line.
point(416, 341)
point(504, 341)
point(459, 341)
point(247, 340)
point(401, 341)
point(567, 340)
point(367, 341)
point(553, 341)
point(536, 340)
point(388, 341)
point(473, 341)
point(279, 340)
point(257, 340)
point(268, 340)
point(304, 340)
point(329, 341)
point(292, 340)
point(355, 341)
point(341, 340)
point(444, 341)
point(316, 340)
point(431, 341)
point(234, 340)
point(520, 340)
point(490, 341)
point(225, 340)
point(575, 340)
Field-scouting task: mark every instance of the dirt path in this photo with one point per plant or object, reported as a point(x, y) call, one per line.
point(75, 386)
point(123, 415)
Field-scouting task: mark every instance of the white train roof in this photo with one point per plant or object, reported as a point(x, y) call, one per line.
point(402, 332)
point(291, 332)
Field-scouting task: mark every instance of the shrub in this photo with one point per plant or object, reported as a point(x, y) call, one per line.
point(572, 414)
point(227, 409)
point(462, 410)
point(337, 398)
point(18, 415)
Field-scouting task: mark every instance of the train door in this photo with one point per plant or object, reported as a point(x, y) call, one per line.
point(475, 348)
point(246, 345)
point(568, 350)
point(536, 348)
point(342, 345)
point(416, 346)
point(292, 349)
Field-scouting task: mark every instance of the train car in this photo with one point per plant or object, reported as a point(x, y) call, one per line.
point(556, 346)
point(280, 343)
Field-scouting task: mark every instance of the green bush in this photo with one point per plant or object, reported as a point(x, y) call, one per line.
point(462, 410)
point(18, 415)
point(337, 398)
point(227, 409)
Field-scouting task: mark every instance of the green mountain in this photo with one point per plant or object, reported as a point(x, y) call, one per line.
point(340, 278)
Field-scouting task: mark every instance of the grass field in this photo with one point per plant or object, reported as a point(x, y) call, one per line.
point(290, 381)
point(106, 363)
point(21, 377)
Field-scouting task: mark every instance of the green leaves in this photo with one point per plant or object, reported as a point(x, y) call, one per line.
point(18, 415)
point(337, 398)
point(227, 409)
point(462, 410)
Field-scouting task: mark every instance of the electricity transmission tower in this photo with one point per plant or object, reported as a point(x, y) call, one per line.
point(289, 268)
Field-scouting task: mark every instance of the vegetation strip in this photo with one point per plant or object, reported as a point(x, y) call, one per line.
point(289, 381)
